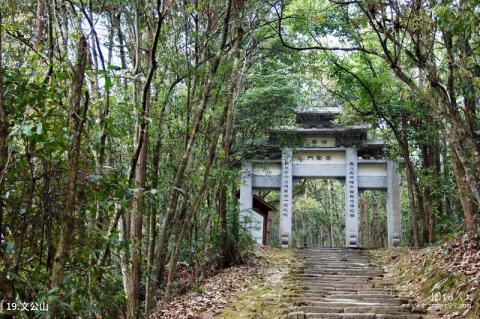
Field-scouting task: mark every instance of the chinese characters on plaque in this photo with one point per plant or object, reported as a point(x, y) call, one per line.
point(351, 188)
point(285, 187)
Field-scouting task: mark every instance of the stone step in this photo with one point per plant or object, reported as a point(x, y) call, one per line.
point(338, 285)
point(373, 274)
point(338, 290)
point(349, 295)
point(343, 280)
point(346, 281)
point(384, 300)
point(303, 315)
point(338, 274)
point(343, 283)
point(332, 273)
point(345, 303)
point(343, 264)
point(334, 277)
point(354, 308)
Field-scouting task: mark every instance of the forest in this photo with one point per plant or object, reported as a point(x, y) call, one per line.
point(124, 126)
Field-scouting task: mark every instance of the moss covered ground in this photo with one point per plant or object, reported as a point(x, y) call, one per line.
point(268, 297)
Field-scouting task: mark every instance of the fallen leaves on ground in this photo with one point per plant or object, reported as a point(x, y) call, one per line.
point(445, 277)
point(215, 293)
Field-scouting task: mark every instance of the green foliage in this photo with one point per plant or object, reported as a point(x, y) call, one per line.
point(319, 216)
point(372, 84)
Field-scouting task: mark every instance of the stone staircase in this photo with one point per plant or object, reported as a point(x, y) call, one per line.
point(342, 283)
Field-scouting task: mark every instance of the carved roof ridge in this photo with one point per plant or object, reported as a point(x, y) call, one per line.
point(318, 110)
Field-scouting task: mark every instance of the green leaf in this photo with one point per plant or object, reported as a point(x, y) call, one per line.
point(53, 290)
point(27, 130)
point(108, 82)
point(39, 128)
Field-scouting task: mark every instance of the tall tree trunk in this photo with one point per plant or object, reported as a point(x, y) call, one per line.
point(76, 119)
point(104, 112)
point(116, 20)
point(3, 134)
point(137, 212)
point(150, 280)
point(117, 212)
point(179, 176)
point(457, 130)
point(139, 157)
point(463, 193)
point(40, 24)
point(123, 236)
point(469, 92)
point(428, 197)
point(189, 216)
point(446, 201)
point(225, 243)
point(410, 177)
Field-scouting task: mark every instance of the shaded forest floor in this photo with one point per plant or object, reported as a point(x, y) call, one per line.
point(255, 289)
point(445, 278)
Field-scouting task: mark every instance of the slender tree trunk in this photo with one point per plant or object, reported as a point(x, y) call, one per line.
point(111, 229)
point(320, 239)
point(106, 106)
point(116, 20)
point(463, 193)
point(179, 176)
point(457, 130)
point(3, 134)
point(469, 92)
point(410, 176)
point(139, 158)
point(138, 203)
point(40, 23)
point(152, 231)
point(428, 200)
point(191, 212)
point(225, 244)
point(75, 126)
point(137, 212)
point(150, 280)
point(124, 251)
point(446, 203)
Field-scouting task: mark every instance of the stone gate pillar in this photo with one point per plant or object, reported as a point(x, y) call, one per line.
point(286, 195)
point(394, 218)
point(246, 194)
point(351, 198)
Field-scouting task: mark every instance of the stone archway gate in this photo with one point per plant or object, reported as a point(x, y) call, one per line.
point(325, 150)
